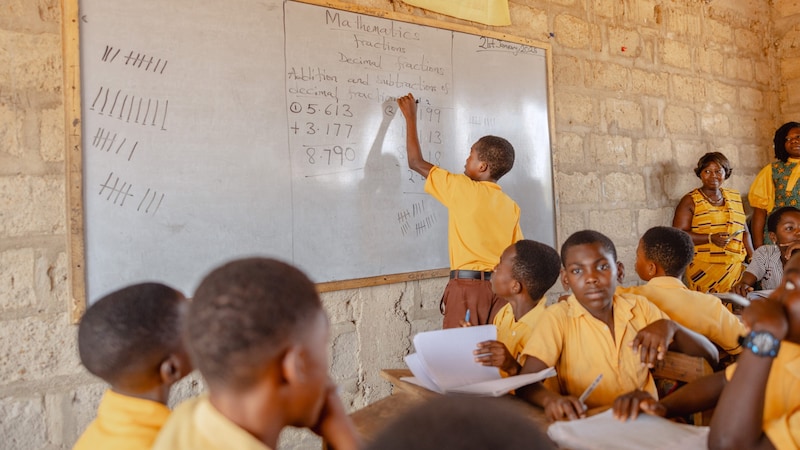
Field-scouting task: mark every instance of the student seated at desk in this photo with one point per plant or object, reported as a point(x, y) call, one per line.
point(756, 399)
point(596, 332)
point(258, 334)
point(661, 259)
point(527, 269)
point(131, 339)
point(766, 267)
point(464, 423)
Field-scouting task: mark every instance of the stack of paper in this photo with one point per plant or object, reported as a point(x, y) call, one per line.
point(648, 432)
point(444, 363)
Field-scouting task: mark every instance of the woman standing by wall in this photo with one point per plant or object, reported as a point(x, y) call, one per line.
point(776, 184)
point(714, 218)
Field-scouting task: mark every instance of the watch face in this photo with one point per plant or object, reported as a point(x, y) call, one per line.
point(764, 342)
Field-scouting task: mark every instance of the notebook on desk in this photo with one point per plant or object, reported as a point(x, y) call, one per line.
point(444, 363)
point(647, 432)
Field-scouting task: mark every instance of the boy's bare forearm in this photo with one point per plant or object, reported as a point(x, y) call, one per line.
point(699, 395)
point(695, 344)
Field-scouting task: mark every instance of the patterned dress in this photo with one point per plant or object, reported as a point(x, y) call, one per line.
point(780, 177)
point(717, 269)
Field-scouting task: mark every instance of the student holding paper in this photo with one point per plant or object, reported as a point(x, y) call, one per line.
point(596, 332)
point(756, 399)
point(527, 269)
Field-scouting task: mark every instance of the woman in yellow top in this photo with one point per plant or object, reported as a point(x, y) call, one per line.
point(714, 218)
point(776, 185)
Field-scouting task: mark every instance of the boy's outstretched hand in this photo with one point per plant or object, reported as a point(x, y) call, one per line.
point(652, 341)
point(408, 106)
point(495, 353)
point(628, 406)
point(334, 425)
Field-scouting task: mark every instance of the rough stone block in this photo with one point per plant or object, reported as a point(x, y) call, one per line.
point(190, 386)
point(344, 361)
point(747, 126)
point(17, 279)
point(624, 187)
point(51, 135)
point(649, 218)
point(653, 151)
point(763, 72)
point(790, 67)
point(578, 188)
point(750, 156)
point(571, 31)
point(792, 91)
point(751, 99)
point(688, 89)
point(719, 32)
point(22, 423)
point(570, 222)
point(576, 109)
point(69, 413)
point(567, 70)
point(715, 124)
point(680, 120)
point(613, 150)
point(710, 60)
point(624, 41)
point(10, 126)
point(721, 93)
point(676, 54)
point(34, 64)
point(31, 205)
point(607, 76)
point(40, 347)
point(339, 305)
point(739, 68)
point(569, 149)
point(685, 22)
point(688, 152)
point(650, 83)
point(623, 114)
point(748, 42)
point(530, 20)
point(617, 224)
point(678, 184)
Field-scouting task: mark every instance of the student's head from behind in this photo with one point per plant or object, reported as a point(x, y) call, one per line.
point(131, 338)
point(258, 325)
point(495, 152)
point(464, 423)
point(786, 142)
point(590, 267)
point(711, 162)
point(783, 225)
point(526, 265)
point(668, 248)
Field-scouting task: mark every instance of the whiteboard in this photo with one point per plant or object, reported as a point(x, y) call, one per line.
point(216, 130)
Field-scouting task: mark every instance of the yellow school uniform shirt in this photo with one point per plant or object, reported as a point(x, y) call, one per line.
point(482, 220)
point(580, 347)
point(762, 190)
point(124, 423)
point(703, 313)
point(515, 334)
point(781, 420)
point(197, 425)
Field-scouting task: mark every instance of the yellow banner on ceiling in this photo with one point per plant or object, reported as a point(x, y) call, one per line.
point(489, 12)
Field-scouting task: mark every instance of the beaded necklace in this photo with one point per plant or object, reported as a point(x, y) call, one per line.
point(716, 202)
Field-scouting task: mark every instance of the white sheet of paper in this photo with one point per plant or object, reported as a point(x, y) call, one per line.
point(603, 431)
point(447, 358)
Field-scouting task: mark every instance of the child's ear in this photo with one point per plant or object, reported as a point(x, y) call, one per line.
point(483, 166)
point(516, 287)
point(773, 237)
point(173, 368)
point(620, 272)
point(293, 365)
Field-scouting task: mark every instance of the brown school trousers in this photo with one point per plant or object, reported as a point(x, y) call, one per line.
point(476, 295)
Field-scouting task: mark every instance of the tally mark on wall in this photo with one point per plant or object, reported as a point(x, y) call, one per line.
point(117, 194)
point(418, 217)
point(131, 109)
point(106, 141)
point(135, 59)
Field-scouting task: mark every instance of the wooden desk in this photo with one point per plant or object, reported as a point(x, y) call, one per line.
point(371, 419)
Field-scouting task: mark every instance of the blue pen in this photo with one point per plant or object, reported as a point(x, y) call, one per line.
point(466, 317)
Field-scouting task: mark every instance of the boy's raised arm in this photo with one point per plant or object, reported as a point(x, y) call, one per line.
point(408, 106)
point(693, 343)
point(653, 341)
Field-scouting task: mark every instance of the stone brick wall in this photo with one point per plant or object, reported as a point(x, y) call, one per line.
point(641, 89)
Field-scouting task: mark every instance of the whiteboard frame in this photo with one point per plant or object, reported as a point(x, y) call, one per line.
point(73, 159)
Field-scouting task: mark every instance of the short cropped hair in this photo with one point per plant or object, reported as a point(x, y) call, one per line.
point(671, 248)
point(498, 153)
point(779, 142)
point(715, 157)
point(536, 266)
point(243, 315)
point(588, 237)
point(775, 217)
point(130, 331)
point(464, 423)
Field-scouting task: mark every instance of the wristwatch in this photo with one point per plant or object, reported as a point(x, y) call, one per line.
point(761, 343)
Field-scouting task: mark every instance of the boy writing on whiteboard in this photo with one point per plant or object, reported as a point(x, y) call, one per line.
point(483, 221)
